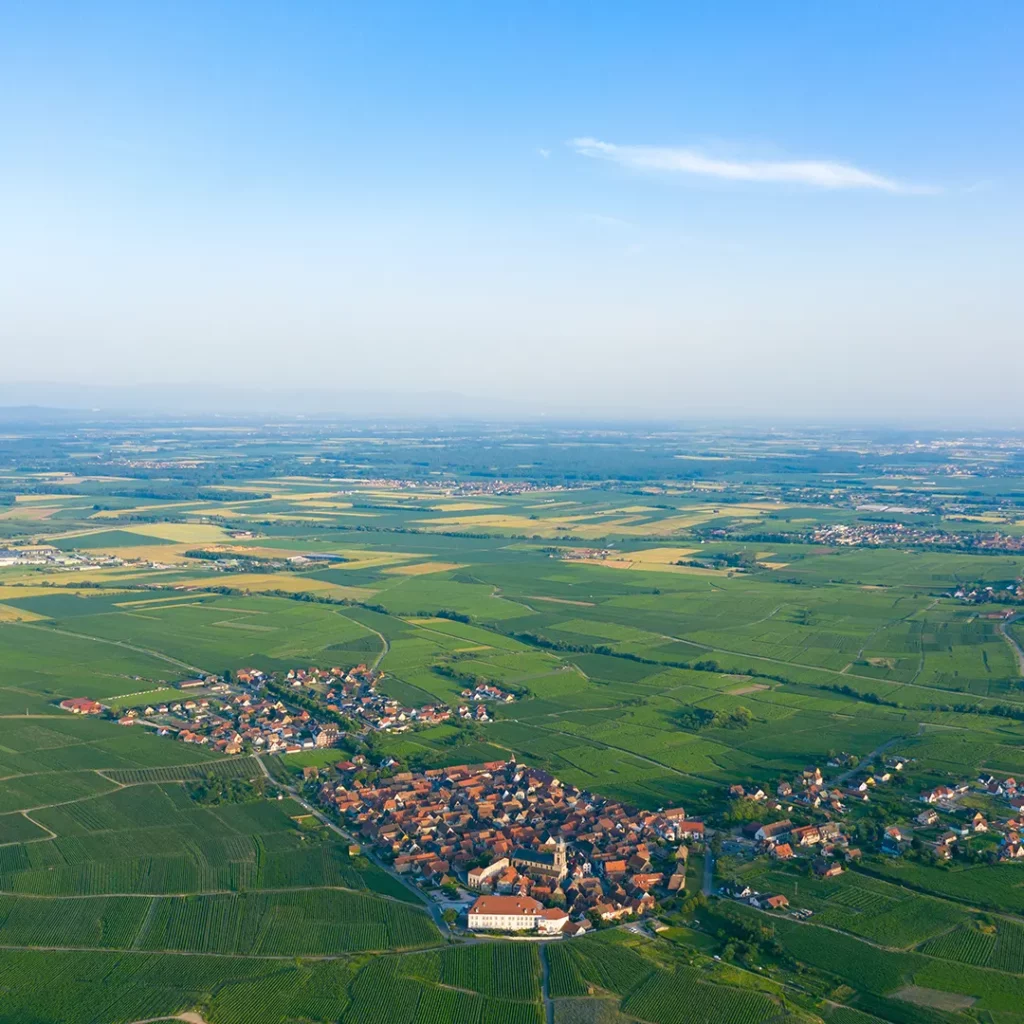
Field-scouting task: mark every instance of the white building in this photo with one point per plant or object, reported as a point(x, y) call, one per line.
point(504, 914)
point(481, 878)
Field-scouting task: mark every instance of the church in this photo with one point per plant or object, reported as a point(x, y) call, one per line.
point(548, 862)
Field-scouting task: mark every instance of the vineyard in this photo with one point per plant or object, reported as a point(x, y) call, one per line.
point(966, 944)
point(1001, 949)
point(234, 768)
point(848, 958)
point(307, 922)
point(384, 990)
point(603, 961)
point(680, 997)
point(564, 977)
point(324, 922)
point(500, 969)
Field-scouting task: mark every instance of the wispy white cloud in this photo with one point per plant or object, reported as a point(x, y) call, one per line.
point(824, 174)
point(545, 153)
point(604, 220)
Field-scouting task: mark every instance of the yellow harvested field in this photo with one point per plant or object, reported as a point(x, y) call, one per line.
point(30, 513)
point(312, 517)
point(749, 688)
point(560, 600)
point(623, 563)
point(10, 593)
point(164, 554)
point(464, 506)
point(362, 559)
point(661, 556)
point(421, 568)
point(167, 600)
point(8, 613)
point(264, 582)
point(508, 522)
point(469, 650)
point(70, 578)
point(34, 499)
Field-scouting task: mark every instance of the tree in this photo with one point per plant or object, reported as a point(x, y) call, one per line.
point(450, 916)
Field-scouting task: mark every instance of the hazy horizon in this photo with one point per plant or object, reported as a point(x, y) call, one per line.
point(592, 211)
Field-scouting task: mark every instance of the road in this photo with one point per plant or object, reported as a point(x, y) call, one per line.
point(1012, 640)
point(433, 909)
point(709, 867)
point(545, 987)
point(385, 646)
point(877, 752)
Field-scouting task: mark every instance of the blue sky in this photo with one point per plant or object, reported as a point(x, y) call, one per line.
point(634, 207)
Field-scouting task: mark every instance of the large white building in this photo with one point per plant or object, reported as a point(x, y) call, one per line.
point(515, 914)
point(481, 878)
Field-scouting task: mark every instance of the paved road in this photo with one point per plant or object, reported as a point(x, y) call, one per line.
point(432, 908)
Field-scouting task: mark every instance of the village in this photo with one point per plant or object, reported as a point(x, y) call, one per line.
point(933, 825)
point(288, 712)
point(541, 856)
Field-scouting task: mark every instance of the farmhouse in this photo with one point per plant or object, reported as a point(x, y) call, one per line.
point(774, 832)
point(81, 706)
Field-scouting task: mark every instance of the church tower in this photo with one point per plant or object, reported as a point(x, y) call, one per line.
point(560, 864)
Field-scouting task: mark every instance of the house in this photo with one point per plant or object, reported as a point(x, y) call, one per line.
point(676, 881)
point(934, 796)
point(574, 928)
point(893, 841)
point(552, 921)
point(690, 830)
point(783, 851)
point(927, 818)
point(827, 869)
point(776, 831)
point(774, 902)
point(326, 735)
point(806, 835)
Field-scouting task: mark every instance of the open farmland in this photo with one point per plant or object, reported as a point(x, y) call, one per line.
point(655, 642)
